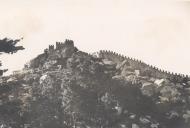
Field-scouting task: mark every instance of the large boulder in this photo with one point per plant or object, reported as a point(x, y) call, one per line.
point(148, 89)
point(159, 82)
point(108, 62)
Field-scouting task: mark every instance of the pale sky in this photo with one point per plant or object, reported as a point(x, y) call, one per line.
point(154, 31)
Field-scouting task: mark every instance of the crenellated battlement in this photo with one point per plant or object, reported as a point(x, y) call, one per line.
point(67, 43)
point(138, 64)
point(51, 48)
point(83, 54)
point(60, 45)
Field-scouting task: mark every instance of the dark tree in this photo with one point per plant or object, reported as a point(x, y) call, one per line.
point(9, 46)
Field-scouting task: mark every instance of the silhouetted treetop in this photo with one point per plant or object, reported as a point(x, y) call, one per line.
point(9, 45)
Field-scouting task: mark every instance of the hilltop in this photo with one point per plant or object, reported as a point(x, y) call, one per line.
point(68, 88)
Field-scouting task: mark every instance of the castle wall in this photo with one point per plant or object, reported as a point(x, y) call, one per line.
point(111, 56)
point(117, 58)
point(137, 64)
point(62, 45)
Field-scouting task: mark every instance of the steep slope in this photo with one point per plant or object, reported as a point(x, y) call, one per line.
point(68, 88)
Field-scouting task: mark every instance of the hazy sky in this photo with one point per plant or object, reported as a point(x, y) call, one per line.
point(155, 31)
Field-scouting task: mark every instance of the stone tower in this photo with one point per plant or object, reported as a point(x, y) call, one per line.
point(51, 48)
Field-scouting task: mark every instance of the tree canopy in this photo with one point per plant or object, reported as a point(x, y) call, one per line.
point(9, 46)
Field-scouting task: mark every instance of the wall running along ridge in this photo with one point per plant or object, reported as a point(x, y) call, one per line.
point(118, 58)
point(138, 64)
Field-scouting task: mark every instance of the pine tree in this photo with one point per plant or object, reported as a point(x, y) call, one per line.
point(9, 46)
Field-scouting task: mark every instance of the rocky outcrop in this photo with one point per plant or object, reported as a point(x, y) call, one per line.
point(65, 87)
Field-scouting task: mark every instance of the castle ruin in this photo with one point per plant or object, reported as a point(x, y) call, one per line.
point(60, 46)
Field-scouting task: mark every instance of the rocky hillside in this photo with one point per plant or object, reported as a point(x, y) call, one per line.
point(67, 88)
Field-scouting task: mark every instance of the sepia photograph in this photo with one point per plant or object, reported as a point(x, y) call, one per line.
point(94, 64)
